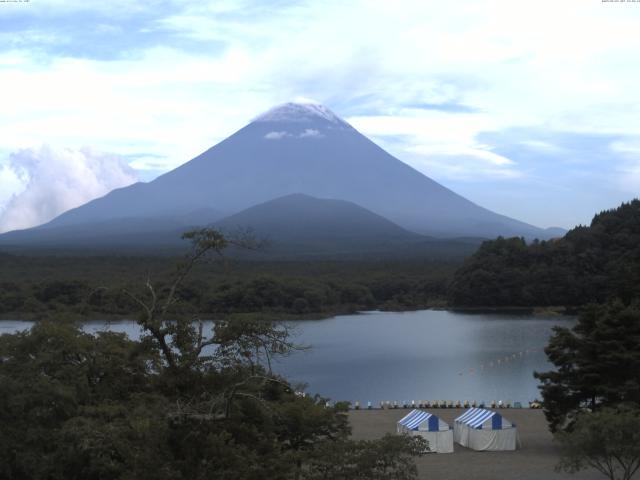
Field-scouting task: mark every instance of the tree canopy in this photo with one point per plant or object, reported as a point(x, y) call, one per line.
point(589, 264)
point(597, 363)
point(607, 440)
point(44, 286)
point(180, 403)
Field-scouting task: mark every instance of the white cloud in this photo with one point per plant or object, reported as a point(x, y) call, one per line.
point(628, 147)
point(307, 133)
point(575, 75)
point(131, 105)
point(48, 181)
point(145, 163)
point(432, 125)
point(10, 184)
point(628, 178)
point(440, 144)
point(276, 135)
point(484, 156)
point(490, 54)
point(453, 162)
point(627, 172)
point(541, 146)
point(311, 132)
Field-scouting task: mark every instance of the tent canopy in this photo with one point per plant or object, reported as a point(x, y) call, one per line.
point(480, 418)
point(423, 421)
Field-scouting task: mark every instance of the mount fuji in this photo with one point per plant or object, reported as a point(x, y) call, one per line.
point(294, 148)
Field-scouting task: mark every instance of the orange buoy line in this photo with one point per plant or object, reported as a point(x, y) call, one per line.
point(498, 362)
point(422, 404)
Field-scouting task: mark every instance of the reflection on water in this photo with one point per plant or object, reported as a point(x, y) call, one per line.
point(424, 355)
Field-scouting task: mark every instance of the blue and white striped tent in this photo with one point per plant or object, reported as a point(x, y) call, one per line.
point(482, 429)
point(436, 431)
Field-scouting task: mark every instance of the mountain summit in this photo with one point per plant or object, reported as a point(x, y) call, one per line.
point(299, 113)
point(298, 148)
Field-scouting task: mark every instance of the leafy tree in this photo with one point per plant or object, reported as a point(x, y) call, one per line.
point(390, 457)
point(607, 440)
point(181, 403)
point(597, 363)
point(49, 378)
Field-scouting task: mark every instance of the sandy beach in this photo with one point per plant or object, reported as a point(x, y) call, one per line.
point(535, 460)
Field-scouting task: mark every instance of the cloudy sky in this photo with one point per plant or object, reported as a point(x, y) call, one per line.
point(529, 108)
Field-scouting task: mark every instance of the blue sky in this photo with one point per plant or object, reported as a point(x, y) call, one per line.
point(528, 108)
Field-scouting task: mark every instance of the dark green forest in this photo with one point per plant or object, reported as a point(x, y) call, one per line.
point(590, 264)
point(591, 398)
point(43, 286)
point(180, 403)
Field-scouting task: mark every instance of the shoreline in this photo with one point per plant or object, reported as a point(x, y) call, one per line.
point(308, 316)
point(534, 460)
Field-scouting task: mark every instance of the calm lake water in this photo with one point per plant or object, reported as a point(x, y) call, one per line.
point(423, 355)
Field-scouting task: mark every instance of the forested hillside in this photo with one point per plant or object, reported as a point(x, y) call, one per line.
point(590, 264)
point(37, 287)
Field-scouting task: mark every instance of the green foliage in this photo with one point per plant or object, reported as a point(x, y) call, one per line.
point(65, 292)
point(53, 376)
point(590, 264)
point(40, 287)
point(390, 457)
point(597, 363)
point(607, 440)
point(180, 403)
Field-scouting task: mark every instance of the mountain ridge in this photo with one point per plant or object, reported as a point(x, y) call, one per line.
point(295, 226)
point(305, 149)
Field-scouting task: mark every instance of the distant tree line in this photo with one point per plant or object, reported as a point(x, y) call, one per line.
point(588, 265)
point(296, 289)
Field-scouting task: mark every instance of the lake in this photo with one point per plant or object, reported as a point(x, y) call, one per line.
point(422, 355)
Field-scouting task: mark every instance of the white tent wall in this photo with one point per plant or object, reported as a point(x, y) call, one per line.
point(439, 442)
point(493, 440)
point(436, 431)
point(484, 430)
point(457, 433)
